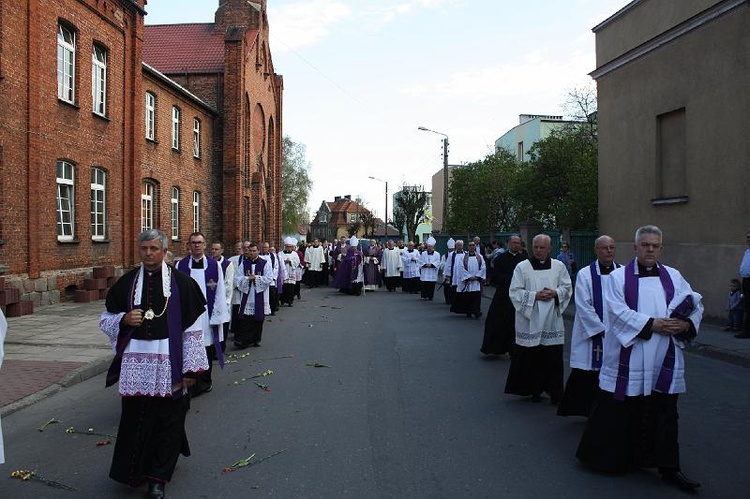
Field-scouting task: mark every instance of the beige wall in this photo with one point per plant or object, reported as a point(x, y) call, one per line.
point(706, 72)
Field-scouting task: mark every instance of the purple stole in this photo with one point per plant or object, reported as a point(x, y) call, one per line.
point(596, 291)
point(174, 327)
point(279, 276)
point(211, 275)
point(258, 313)
point(664, 380)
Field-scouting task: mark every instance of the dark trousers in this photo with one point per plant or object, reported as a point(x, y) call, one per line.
point(428, 289)
point(636, 432)
point(314, 278)
point(287, 293)
point(204, 381)
point(150, 439)
point(391, 282)
point(746, 293)
point(273, 296)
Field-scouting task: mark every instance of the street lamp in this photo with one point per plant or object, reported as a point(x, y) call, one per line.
point(385, 217)
point(445, 174)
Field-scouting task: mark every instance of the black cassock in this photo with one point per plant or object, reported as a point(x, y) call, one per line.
point(500, 325)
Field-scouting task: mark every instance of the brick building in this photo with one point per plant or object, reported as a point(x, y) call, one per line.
point(99, 139)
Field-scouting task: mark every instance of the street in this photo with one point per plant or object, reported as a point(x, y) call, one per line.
point(402, 404)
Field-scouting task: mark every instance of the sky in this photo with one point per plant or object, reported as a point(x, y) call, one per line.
point(361, 76)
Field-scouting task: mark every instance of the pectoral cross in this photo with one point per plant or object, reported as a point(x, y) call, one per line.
point(212, 284)
point(598, 353)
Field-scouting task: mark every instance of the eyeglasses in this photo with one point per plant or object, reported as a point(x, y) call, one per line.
point(197, 243)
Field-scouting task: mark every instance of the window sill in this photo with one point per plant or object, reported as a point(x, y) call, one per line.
point(69, 104)
point(75, 240)
point(100, 241)
point(100, 116)
point(669, 201)
point(152, 141)
point(176, 151)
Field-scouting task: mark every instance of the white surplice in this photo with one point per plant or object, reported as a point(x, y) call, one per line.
point(467, 266)
point(586, 324)
point(410, 261)
point(429, 274)
point(391, 262)
point(539, 322)
point(624, 325)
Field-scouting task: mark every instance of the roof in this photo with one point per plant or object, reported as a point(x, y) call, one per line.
point(186, 48)
point(179, 88)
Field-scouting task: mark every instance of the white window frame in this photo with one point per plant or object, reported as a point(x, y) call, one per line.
point(150, 116)
point(65, 201)
point(176, 128)
point(175, 204)
point(66, 63)
point(147, 206)
point(98, 204)
point(99, 79)
point(196, 211)
point(196, 138)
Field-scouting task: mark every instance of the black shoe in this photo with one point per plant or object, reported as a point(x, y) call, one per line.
point(679, 480)
point(240, 346)
point(742, 335)
point(155, 490)
point(478, 315)
point(257, 344)
point(209, 388)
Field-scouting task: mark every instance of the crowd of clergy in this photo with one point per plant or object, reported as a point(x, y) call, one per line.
point(627, 368)
point(168, 322)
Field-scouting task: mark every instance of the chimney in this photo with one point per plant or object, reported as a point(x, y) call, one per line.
point(240, 13)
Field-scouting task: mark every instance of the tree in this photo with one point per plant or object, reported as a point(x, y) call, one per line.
point(482, 195)
point(295, 186)
point(411, 202)
point(367, 220)
point(559, 184)
point(399, 220)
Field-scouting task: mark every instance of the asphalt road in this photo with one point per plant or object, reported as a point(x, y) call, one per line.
point(408, 408)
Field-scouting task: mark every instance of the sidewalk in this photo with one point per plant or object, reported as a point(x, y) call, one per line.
point(61, 345)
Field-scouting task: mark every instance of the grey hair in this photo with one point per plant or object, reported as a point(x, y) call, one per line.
point(602, 238)
point(647, 229)
point(459, 241)
point(541, 236)
point(152, 234)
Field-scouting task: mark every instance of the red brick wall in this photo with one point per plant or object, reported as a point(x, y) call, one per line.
point(38, 130)
point(179, 168)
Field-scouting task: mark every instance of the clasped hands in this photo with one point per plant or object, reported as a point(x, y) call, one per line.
point(546, 294)
point(670, 326)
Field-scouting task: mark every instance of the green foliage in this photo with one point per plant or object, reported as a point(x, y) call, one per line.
point(295, 186)
point(411, 202)
point(559, 184)
point(481, 195)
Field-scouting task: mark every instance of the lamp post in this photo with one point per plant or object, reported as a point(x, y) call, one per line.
point(385, 216)
point(445, 174)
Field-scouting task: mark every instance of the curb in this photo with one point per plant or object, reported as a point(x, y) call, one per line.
point(72, 378)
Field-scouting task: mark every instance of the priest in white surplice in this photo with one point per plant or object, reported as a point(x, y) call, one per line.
point(429, 262)
point(391, 266)
point(586, 342)
point(210, 277)
point(410, 259)
point(469, 271)
point(652, 312)
point(540, 291)
point(315, 256)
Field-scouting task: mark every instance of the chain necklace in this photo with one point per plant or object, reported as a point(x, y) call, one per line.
point(150, 314)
